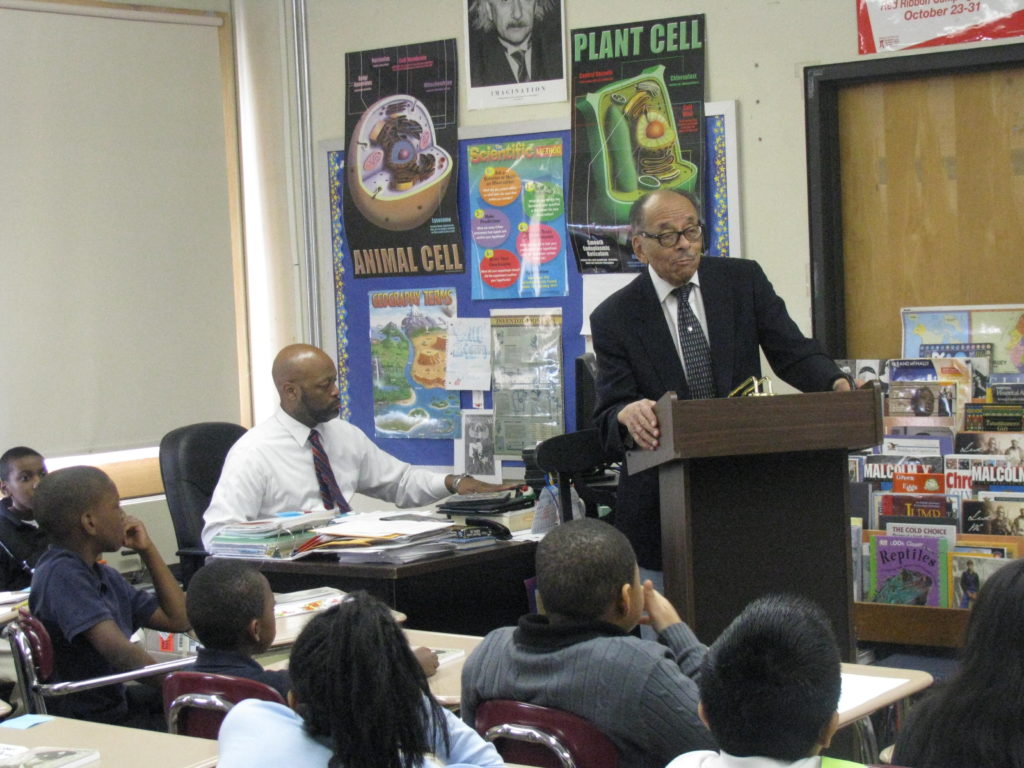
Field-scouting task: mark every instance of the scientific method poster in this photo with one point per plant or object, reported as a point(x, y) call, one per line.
point(517, 233)
point(408, 336)
point(400, 204)
point(637, 126)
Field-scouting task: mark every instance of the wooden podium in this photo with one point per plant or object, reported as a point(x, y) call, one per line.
point(754, 495)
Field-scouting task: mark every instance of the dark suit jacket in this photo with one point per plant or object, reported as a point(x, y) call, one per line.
point(636, 359)
point(488, 64)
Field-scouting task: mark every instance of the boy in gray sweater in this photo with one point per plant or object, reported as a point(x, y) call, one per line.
point(580, 656)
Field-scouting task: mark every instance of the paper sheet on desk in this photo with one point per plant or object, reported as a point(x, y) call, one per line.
point(859, 689)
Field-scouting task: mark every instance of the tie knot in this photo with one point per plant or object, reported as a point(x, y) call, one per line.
point(314, 437)
point(683, 292)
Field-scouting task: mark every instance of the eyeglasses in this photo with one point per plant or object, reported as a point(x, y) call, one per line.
point(671, 237)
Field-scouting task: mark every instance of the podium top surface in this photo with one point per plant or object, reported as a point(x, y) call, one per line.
point(740, 426)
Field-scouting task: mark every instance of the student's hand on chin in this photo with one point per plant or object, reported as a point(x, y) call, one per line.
point(135, 535)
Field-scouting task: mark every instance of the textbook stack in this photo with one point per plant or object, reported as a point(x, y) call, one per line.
point(275, 537)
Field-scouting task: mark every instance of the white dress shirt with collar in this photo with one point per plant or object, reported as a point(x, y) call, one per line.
point(270, 470)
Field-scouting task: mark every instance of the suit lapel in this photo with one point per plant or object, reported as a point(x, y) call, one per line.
point(718, 309)
point(656, 340)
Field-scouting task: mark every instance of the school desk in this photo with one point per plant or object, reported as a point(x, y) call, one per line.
point(466, 592)
point(118, 746)
point(867, 689)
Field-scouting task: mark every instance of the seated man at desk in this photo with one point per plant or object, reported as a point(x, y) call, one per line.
point(306, 458)
point(581, 657)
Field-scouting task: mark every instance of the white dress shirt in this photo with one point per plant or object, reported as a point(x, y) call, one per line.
point(708, 759)
point(270, 470)
point(670, 306)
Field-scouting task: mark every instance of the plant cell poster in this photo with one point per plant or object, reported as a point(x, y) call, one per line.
point(637, 127)
point(517, 234)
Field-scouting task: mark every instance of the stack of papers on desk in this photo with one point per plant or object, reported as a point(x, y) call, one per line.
point(379, 538)
point(276, 536)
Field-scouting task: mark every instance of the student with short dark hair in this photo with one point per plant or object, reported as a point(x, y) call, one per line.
point(580, 656)
point(974, 718)
point(21, 540)
point(359, 699)
point(769, 689)
point(231, 609)
point(88, 608)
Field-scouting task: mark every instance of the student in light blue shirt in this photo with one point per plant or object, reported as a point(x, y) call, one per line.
point(359, 699)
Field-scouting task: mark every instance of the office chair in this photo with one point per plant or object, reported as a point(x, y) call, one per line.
point(578, 458)
point(191, 459)
point(32, 650)
point(542, 736)
point(196, 702)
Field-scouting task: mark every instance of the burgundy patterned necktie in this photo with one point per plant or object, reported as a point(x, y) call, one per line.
point(696, 354)
point(329, 490)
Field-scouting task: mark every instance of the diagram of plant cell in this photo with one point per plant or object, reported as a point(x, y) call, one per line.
point(634, 142)
point(397, 175)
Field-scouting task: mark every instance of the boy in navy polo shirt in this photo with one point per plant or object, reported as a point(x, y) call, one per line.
point(231, 609)
point(21, 540)
point(88, 608)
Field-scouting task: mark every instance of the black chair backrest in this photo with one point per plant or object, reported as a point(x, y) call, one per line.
point(572, 457)
point(586, 390)
point(191, 459)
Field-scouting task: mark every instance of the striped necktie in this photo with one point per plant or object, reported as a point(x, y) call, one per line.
point(329, 490)
point(696, 354)
point(520, 59)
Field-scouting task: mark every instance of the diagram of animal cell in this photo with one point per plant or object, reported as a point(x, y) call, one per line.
point(397, 175)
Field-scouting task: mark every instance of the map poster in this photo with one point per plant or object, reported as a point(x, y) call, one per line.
point(527, 378)
point(517, 235)
point(637, 126)
point(1002, 325)
point(400, 206)
point(408, 338)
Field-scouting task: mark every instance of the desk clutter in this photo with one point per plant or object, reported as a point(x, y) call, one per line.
point(463, 523)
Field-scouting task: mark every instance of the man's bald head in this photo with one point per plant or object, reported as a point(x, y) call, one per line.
point(306, 381)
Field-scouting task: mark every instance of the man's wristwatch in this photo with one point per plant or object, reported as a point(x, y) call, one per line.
point(453, 487)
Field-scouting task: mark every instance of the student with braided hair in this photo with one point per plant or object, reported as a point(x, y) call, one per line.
point(359, 699)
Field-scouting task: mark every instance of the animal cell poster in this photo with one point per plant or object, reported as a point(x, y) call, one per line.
point(408, 340)
point(637, 126)
point(517, 233)
point(401, 214)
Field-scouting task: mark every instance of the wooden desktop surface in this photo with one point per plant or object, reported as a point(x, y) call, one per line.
point(118, 746)
point(913, 681)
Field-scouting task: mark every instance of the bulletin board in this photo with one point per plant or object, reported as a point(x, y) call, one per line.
point(353, 319)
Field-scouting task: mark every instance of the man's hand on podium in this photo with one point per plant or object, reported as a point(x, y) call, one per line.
point(641, 421)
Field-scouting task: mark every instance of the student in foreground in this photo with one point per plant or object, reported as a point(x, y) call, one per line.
point(359, 699)
point(769, 689)
point(976, 717)
point(88, 608)
point(22, 542)
point(580, 656)
point(231, 609)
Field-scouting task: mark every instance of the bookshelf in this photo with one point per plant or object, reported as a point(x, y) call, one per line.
point(918, 625)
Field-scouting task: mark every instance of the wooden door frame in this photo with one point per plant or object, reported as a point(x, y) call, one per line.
point(822, 85)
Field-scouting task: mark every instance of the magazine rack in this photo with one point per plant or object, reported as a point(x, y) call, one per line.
point(754, 495)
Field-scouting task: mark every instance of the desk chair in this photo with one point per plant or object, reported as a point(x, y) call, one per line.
point(542, 736)
point(32, 650)
point(196, 702)
point(576, 458)
point(191, 459)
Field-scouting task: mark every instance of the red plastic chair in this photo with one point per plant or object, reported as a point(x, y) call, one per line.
point(32, 650)
point(196, 702)
point(542, 736)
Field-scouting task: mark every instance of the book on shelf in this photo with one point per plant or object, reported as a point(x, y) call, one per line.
point(879, 468)
point(918, 482)
point(855, 464)
point(928, 527)
point(1009, 444)
point(908, 570)
point(955, 371)
point(968, 474)
point(936, 506)
point(910, 445)
point(921, 398)
point(1008, 393)
point(979, 354)
point(993, 417)
point(992, 516)
point(968, 571)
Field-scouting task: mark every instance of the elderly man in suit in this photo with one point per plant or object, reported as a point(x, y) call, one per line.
point(514, 41)
point(689, 324)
